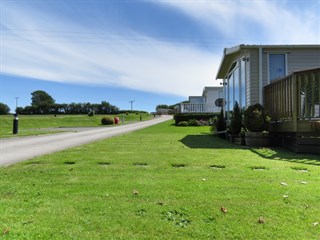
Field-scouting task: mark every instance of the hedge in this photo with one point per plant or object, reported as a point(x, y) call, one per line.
point(179, 117)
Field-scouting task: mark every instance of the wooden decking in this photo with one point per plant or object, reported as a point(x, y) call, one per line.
point(293, 103)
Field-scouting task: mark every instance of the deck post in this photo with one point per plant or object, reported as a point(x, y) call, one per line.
point(295, 100)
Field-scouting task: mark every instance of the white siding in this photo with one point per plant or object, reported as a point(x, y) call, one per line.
point(196, 99)
point(303, 59)
point(297, 59)
point(254, 77)
point(212, 94)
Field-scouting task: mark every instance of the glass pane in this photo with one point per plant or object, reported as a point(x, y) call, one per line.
point(243, 85)
point(236, 87)
point(231, 89)
point(277, 66)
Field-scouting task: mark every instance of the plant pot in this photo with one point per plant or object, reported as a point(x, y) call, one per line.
point(243, 141)
point(234, 138)
point(238, 140)
point(231, 138)
point(257, 139)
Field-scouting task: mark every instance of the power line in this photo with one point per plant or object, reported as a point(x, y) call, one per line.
point(95, 37)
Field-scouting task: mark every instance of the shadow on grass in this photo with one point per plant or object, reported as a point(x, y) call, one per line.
point(282, 154)
point(207, 140)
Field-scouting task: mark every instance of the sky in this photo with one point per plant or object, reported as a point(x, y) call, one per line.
point(153, 52)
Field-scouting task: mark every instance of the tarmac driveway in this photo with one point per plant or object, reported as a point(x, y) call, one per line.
point(14, 150)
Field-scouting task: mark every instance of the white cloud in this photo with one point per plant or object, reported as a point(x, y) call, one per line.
point(143, 63)
point(272, 22)
point(147, 65)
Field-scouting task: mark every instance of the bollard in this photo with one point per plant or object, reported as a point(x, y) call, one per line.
point(122, 119)
point(15, 124)
point(140, 117)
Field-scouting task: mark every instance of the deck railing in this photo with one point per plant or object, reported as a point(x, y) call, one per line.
point(198, 108)
point(294, 97)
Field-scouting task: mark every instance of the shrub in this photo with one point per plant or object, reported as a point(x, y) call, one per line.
point(220, 123)
point(256, 118)
point(127, 112)
point(236, 120)
point(179, 117)
point(203, 123)
point(91, 113)
point(213, 124)
point(107, 121)
point(193, 122)
point(182, 124)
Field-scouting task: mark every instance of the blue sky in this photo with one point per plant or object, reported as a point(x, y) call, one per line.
point(153, 52)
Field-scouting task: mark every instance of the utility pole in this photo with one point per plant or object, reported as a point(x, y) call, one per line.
point(131, 102)
point(16, 103)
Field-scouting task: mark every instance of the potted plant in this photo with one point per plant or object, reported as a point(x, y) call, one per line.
point(256, 122)
point(236, 124)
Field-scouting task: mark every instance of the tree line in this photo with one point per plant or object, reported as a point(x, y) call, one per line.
point(43, 103)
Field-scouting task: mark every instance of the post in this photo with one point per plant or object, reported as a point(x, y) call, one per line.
point(16, 103)
point(296, 99)
point(122, 118)
point(15, 124)
point(140, 117)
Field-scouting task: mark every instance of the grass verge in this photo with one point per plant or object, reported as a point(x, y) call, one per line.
point(39, 124)
point(130, 187)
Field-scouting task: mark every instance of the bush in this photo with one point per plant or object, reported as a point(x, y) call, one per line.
point(203, 123)
point(256, 118)
point(107, 121)
point(193, 122)
point(182, 124)
point(91, 113)
point(213, 125)
point(127, 112)
point(220, 123)
point(179, 117)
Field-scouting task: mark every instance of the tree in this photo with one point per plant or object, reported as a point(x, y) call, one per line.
point(19, 110)
point(236, 121)
point(4, 109)
point(219, 124)
point(42, 102)
point(106, 108)
point(164, 106)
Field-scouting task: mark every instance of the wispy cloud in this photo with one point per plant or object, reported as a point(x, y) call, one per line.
point(264, 21)
point(59, 49)
point(144, 65)
point(84, 57)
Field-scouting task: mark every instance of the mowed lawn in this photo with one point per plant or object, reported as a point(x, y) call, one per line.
point(163, 182)
point(42, 124)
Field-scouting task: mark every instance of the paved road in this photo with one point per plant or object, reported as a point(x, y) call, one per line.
point(14, 150)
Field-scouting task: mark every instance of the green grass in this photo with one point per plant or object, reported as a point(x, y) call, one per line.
point(162, 182)
point(37, 124)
